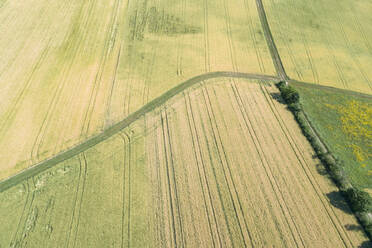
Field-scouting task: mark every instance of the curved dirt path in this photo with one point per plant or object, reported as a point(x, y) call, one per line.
point(157, 102)
point(270, 42)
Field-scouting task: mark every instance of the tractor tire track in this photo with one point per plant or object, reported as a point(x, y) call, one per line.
point(287, 47)
point(276, 189)
point(262, 192)
point(98, 79)
point(172, 208)
point(214, 174)
point(204, 166)
point(22, 235)
point(25, 206)
point(308, 53)
point(57, 94)
point(352, 55)
point(278, 142)
point(225, 162)
point(185, 171)
point(207, 65)
point(127, 155)
point(253, 35)
point(74, 207)
point(199, 159)
point(160, 192)
point(229, 37)
point(180, 221)
point(78, 203)
point(10, 115)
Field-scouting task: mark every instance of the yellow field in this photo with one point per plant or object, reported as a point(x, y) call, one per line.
point(221, 164)
point(69, 69)
point(326, 42)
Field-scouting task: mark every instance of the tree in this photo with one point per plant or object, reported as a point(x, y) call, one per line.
point(360, 200)
point(290, 95)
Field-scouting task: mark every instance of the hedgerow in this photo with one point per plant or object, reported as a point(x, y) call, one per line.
point(359, 201)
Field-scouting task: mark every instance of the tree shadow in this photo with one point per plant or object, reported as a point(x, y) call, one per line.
point(358, 228)
point(352, 227)
point(321, 170)
point(338, 201)
point(365, 244)
point(278, 97)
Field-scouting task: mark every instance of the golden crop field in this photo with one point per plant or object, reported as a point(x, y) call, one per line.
point(327, 42)
point(69, 69)
point(220, 164)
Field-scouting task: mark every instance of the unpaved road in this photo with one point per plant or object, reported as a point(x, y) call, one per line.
point(157, 102)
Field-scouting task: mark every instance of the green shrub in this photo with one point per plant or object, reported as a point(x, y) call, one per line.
point(290, 95)
point(359, 200)
point(366, 220)
point(329, 161)
point(281, 84)
point(294, 107)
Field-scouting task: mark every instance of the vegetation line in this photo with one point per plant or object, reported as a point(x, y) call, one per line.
point(359, 201)
point(304, 165)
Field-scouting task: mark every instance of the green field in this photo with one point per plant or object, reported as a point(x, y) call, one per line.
point(327, 42)
point(220, 164)
point(344, 121)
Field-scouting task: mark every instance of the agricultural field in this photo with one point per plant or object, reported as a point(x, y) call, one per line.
point(327, 42)
point(344, 121)
point(220, 164)
point(69, 69)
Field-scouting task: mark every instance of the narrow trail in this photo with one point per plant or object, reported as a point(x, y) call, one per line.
point(157, 102)
point(270, 42)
